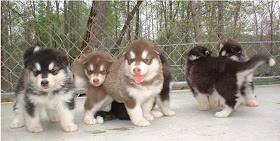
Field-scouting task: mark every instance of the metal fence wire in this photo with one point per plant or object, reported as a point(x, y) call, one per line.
point(74, 27)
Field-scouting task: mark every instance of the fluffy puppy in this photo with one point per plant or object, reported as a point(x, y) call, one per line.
point(231, 49)
point(206, 74)
point(96, 67)
point(163, 99)
point(45, 81)
point(136, 80)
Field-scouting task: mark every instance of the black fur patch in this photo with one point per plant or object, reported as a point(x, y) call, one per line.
point(71, 104)
point(29, 107)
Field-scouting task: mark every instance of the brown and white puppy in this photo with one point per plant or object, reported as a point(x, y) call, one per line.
point(136, 80)
point(94, 67)
point(80, 78)
point(231, 49)
point(207, 75)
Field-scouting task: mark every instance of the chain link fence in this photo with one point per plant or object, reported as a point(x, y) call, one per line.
point(75, 26)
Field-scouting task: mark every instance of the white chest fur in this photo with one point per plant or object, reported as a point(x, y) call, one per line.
point(51, 100)
point(142, 93)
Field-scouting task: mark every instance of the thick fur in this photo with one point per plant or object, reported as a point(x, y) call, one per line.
point(45, 81)
point(136, 80)
point(207, 75)
point(96, 67)
point(118, 109)
point(231, 49)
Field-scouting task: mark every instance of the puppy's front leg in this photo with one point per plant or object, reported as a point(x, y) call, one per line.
point(147, 108)
point(66, 113)
point(32, 118)
point(90, 110)
point(135, 113)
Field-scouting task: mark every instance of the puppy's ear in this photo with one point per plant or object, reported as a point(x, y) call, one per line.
point(63, 60)
point(28, 54)
point(82, 58)
point(156, 49)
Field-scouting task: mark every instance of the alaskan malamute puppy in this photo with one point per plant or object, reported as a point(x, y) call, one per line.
point(206, 74)
point(231, 49)
point(46, 81)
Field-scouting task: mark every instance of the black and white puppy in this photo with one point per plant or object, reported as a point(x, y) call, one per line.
point(46, 81)
point(231, 49)
point(207, 76)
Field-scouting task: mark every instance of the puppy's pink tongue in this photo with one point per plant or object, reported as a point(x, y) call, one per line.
point(138, 78)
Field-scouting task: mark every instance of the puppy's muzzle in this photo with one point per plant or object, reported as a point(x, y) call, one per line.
point(45, 84)
point(137, 70)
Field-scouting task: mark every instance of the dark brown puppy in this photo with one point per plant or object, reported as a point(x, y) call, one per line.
point(206, 74)
point(94, 67)
point(231, 49)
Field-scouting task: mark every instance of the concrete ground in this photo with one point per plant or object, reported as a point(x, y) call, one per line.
point(246, 123)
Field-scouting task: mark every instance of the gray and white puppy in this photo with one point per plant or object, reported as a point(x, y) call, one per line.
point(46, 81)
point(231, 49)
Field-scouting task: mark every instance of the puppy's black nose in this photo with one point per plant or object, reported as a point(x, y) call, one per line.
point(44, 83)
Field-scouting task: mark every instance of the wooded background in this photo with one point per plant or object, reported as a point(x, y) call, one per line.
point(74, 27)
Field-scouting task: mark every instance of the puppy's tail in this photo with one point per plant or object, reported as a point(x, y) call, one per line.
point(256, 61)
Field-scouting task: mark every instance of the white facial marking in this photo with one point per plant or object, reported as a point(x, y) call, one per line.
point(132, 55)
point(91, 67)
point(234, 58)
point(101, 67)
point(36, 49)
point(144, 54)
point(193, 57)
point(223, 53)
point(38, 67)
point(98, 59)
point(51, 65)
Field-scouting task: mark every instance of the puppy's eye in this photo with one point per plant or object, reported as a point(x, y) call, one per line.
point(103, 72)
point(145, 60)
point(36, 72)
point(54, 72)
point(90, 72)
point(130, 61)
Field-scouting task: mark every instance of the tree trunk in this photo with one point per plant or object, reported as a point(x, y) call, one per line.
point(256, 20)
point(66, 27)
point(128, 27)
point(37, 32)
point(77, 24)
point(49, 23)
point(236, 16)
point(195, 6)
point(4, 46)
point(220, 20)
point(128, 20)
point(94, 33)
point(58, 24)
point(137, 24)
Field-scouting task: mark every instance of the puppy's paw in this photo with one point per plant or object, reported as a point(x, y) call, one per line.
point(142, 123)
point(35, 129)
point(70, 128)
point(221, 114)
point(213, 104)
point(16, 124)
point(168, 113)
point(90, 121)
point(252, 103)
point(157, 114)
point(149, 117)
point(99, 120)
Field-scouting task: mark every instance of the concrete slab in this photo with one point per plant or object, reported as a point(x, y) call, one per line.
point(246, 123)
